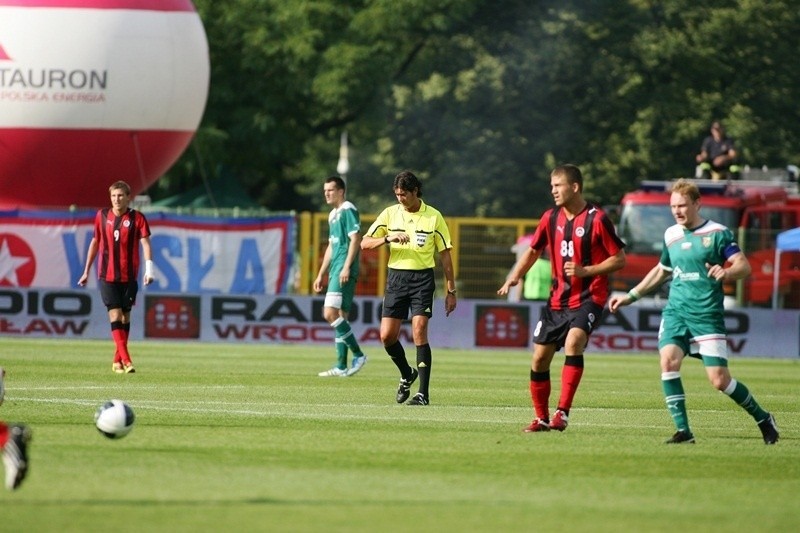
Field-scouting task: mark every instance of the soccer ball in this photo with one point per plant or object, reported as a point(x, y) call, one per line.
point(114, 419)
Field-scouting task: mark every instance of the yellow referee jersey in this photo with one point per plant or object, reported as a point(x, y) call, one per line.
point(427, 229)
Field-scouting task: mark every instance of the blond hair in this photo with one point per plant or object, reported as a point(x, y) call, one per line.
point(686, 188)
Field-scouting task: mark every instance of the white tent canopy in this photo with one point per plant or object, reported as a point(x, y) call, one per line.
point(787, 241)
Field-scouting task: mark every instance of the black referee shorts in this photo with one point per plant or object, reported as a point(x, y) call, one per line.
point(409, 290)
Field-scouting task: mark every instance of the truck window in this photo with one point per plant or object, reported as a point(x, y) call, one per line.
point(724, 215)
point(763, 225)
point(642, 226)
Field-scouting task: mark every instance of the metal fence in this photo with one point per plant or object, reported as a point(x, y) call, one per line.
point(482, 254)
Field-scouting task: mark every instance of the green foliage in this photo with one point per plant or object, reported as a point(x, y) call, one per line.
point(248, 438)
point(481, 98)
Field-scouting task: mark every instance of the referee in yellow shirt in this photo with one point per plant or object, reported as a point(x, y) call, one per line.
point(413, 231)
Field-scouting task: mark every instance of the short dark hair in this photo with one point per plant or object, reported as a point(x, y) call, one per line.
point(338, 181)
point(407, 181)
point(571, 172)
point(120, 185)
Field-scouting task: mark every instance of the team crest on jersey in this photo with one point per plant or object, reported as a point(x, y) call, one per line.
point(579, 231)
point(421, 238)
point(126, 223)
point(706, 242)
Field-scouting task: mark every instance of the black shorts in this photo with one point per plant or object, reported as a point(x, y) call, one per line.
point(118, 295)
point(409, 290)
point(553, 326)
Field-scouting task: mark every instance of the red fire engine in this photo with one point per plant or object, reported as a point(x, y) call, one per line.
point(755, 210)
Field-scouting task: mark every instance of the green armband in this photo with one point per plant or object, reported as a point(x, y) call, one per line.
point(634, 295)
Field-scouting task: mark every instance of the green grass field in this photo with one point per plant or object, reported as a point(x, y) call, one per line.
point(248, 438)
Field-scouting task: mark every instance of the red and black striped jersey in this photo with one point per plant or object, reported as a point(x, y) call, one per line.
point(118, 244)
point(588, 239)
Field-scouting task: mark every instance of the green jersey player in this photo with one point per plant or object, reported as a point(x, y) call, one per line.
point(695, 254)
point(341, 263)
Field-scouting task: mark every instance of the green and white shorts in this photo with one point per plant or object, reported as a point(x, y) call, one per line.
point(702, 336)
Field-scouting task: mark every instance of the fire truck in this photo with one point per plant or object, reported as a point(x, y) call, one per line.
point(756, 210)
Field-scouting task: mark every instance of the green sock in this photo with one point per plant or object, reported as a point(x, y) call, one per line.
point(341, 353)
point(740, 394)
point(345, 332)
point(676, 399)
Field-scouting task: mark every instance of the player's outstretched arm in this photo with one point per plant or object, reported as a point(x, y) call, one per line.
point(525, 262)
point(652, 279)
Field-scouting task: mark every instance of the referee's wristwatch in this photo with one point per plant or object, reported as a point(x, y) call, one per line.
point(453, 292)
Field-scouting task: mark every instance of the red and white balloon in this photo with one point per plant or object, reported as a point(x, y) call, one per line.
point(95, 91)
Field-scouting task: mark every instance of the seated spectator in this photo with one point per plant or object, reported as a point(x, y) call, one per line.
point(717, 155)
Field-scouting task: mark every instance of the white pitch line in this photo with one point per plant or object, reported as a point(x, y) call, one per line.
point(145, 387)
point(290, 410)
point(499, 415)
point(403, 413)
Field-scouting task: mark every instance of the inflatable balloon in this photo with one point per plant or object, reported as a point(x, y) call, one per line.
point(95, 91)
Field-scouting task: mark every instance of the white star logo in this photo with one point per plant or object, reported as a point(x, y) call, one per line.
point(9, 264)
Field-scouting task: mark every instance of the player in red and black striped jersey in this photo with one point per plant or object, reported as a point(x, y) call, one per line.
point(118, 231)
point(584, 248)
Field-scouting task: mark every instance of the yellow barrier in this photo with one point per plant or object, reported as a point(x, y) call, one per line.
point(482, 255)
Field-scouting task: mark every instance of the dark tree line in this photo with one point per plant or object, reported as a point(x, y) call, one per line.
point(481, 98)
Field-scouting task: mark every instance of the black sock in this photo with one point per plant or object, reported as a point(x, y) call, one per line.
point(424, 367)
point(398, 355)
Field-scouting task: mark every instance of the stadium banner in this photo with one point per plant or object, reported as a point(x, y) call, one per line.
point(285, 319)
point(191, 254)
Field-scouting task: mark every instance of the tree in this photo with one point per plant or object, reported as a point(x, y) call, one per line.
point(482, 98)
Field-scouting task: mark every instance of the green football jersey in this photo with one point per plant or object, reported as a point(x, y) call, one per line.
point(343, 222)
point(685, 254)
